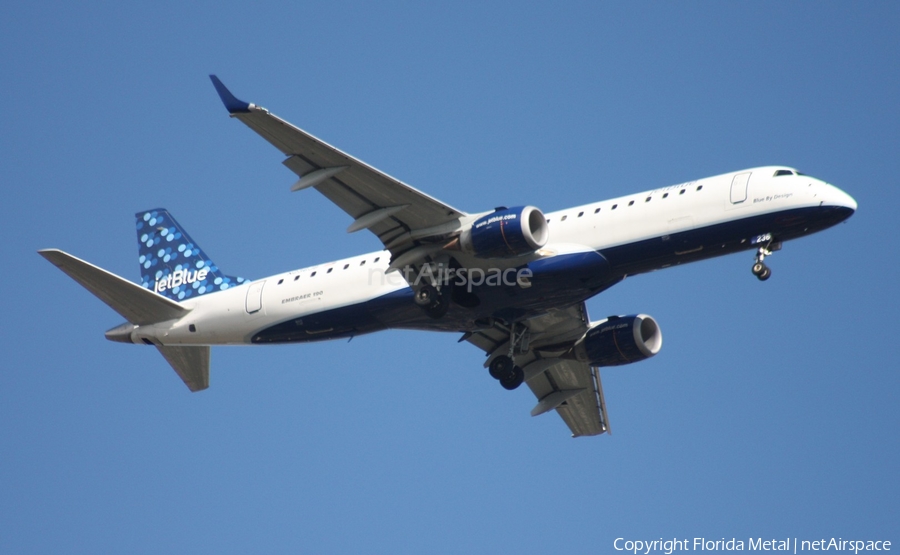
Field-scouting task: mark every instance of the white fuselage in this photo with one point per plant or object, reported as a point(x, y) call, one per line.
point(233, 316)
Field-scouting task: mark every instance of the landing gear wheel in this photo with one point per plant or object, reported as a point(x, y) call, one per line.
point(426, 296)
point(761, 271)
point(514, 380)
point(441, 304)
point(435, 303)
point(501, 367)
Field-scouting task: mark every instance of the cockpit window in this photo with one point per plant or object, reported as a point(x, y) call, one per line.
point(783, 172)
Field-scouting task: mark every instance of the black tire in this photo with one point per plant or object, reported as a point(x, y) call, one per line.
point(514, 380)
point(438, 309)
point(766, 274)
point(426, 296)
point(501, 367)
point(758, 269)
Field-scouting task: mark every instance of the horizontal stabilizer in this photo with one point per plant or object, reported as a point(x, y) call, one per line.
point(191, 364)
point(136, 304)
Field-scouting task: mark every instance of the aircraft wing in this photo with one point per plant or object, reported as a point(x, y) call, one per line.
point(395, 212)
point(584, 412)
point(572, 388)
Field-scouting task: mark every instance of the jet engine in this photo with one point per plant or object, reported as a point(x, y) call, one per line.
point(619, 340)
point(506, 233)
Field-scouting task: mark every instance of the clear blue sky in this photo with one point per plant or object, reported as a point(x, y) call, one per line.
point(771, 411)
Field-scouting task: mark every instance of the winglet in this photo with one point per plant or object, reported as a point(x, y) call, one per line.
point(232, 104)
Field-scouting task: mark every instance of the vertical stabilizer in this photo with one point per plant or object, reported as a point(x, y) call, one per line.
point(171, 263)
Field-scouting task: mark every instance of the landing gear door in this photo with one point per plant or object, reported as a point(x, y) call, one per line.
point(739, 187)
point(254, 297)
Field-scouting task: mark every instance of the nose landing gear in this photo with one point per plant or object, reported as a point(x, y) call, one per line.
point(759, 269)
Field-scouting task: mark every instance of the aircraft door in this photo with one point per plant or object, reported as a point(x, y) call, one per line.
point(739, 187)
point(254, 297)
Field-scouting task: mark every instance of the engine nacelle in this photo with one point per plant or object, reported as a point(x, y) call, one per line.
point(506, 233)
point(619, 340)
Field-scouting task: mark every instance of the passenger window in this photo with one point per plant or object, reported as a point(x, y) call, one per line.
point(665, 195)
point(597, 210)
point(280, 281)
point(296, 277)
point(363, 263)
point(377, 258)
point(346, 266)
point(681, 192)
point(312, 274)
point(329, 270)
point(564, 218)
point(614, 206)
point(580, 214)
point(699, 187)
point(630, 203)
point(648, 199)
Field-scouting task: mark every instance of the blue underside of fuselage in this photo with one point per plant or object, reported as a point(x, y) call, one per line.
point(557, 282)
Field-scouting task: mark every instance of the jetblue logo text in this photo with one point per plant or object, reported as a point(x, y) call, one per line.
point(179, 277)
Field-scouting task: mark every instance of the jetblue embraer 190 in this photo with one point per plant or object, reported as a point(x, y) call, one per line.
point(512, 281)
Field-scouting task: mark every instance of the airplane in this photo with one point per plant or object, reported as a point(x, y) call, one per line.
point(512, 281)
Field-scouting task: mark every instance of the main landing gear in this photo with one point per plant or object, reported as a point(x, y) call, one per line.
point(503, 368)
point(434, 295)
point(434, 302)
point(759, 269)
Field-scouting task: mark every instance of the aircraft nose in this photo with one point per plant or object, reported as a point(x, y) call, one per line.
point(841, 204)
point(842, 199)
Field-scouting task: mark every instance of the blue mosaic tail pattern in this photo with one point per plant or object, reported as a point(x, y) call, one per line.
point(171, 263)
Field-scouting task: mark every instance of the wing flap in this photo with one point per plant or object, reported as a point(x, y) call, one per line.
point(359, 189)
point(573, 388)
point(583, 412)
